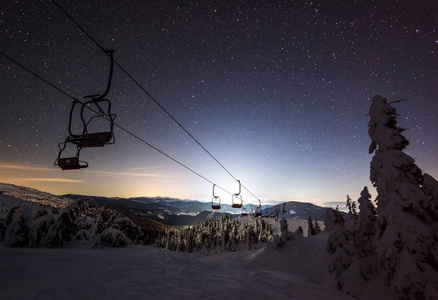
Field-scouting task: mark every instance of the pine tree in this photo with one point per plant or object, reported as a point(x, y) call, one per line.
point(66, 218)
point(317, 227)
point(112, 237)
point(21, 228)
point(338, 245)
point(367, 223)
point(348, 205)
point(43, 221)
point(353, 209)
point(310, 228)
point(53, 237)
point(99, 224)
point(406, 243)
point(351, 222)
point(360, 234)
point(128, 227)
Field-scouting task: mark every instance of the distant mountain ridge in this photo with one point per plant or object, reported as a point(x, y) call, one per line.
point(302, 210)
point(171, 211)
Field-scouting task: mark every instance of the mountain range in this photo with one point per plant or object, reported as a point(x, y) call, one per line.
point(175, 212)
point(170, 211)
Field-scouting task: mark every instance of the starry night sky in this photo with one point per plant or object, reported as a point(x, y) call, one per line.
point(277, 91)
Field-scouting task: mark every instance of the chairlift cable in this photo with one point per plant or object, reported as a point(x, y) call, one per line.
point(36, 75)
point(167, 155)
point(79, 26)
point(115, 124)
point(150, 96)
point(141, 87)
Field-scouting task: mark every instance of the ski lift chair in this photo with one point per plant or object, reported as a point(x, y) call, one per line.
point(69, 163)
point(95, 139)
point(236, 199)
point(215, 201)
point(244, 211)
point(96, 104)
point(216, 205)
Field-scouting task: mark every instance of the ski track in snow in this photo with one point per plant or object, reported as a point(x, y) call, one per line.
point(142, 272)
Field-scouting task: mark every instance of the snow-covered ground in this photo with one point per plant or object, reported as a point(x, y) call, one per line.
point(298, 270)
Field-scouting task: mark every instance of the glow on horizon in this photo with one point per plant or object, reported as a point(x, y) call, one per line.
point(180, 184)
point(130, 184)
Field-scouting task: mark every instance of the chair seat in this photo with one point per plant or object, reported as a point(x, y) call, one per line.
point(98, 139)
point(69, 163)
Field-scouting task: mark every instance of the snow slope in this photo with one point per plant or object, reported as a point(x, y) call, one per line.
point(295, 271)
point(31, 195)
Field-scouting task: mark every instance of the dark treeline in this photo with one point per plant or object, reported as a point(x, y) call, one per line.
point(221, 234)
point(49, 227)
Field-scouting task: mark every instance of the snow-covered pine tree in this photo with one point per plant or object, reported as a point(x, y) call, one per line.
point(361, 249)
point(67, 217)
point(53, 237)
point(99, 224)
point(278, 240)
point(338, 245)
point(225, 240)
point(43, 221)
point(332, 219)
point(181, 246)
point(128, 227)
point(406, 243)
point(348, 205)
point(251, 238)
point(21, 228)
point(112, 237)
point(233, 238)
point(367, 223)
point(283, 225)
point(8, 218)
point(317, 227)
point(353, 209)
point(351, 222)
point(310, 228)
